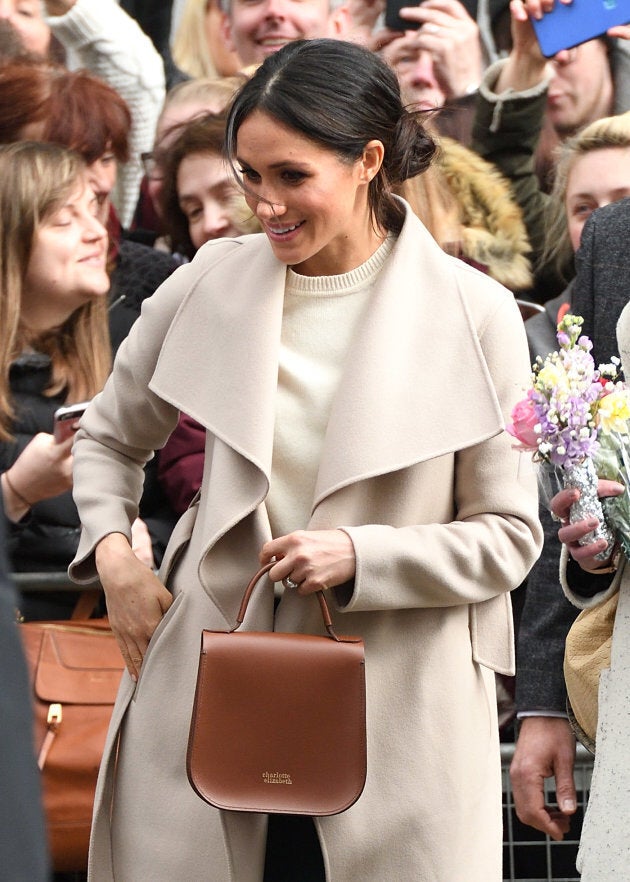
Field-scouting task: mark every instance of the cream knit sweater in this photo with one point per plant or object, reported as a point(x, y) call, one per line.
point(321, 314)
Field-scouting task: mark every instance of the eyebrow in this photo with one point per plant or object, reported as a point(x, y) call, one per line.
point(276, 165)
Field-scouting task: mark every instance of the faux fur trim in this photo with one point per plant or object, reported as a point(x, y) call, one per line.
point(494, 232)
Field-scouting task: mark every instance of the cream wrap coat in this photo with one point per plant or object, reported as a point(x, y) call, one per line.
point(443, 517)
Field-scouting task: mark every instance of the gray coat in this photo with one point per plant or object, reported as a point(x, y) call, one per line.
point(601, 293)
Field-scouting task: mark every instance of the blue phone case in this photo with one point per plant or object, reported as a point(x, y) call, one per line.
point(582, 20)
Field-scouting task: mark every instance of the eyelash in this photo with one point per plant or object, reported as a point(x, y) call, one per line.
point(249, 174)
point(289, 176)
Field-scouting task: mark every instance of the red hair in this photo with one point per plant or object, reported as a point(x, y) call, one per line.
point(75, 109)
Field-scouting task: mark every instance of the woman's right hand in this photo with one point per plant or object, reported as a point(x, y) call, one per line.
point(537, 8)
point(525, 67)
point(571, 534)
point(42, 470)
point(136, 599)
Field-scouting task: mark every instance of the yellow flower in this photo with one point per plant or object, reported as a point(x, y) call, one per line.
point(613, 412)
point(552, 377)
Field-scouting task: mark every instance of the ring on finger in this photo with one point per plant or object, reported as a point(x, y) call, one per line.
point(289, 583)
point(432, 28)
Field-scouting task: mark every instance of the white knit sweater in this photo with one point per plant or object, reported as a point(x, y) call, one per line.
point(321, 314)
point(100, 36)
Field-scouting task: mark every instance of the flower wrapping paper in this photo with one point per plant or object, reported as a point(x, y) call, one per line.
point(575, 418)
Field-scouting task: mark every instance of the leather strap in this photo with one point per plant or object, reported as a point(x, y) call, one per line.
point(86, 604)
point(250, 589)
point(53, 722)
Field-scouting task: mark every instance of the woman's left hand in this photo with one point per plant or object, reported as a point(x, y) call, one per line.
point(314, 560)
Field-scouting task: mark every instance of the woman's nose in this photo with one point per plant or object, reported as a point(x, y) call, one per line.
point(93, 229)
point(267, 209)
point(215, 220)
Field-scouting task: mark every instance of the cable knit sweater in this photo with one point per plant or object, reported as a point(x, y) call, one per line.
point(100, 36)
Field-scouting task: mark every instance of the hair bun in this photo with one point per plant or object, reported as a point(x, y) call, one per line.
point(411, 150)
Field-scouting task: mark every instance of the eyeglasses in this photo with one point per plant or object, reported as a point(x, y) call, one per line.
point(151, 166)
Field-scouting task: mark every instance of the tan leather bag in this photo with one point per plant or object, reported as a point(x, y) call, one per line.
point(75, 668)
point(586, 654)
point(278, 723)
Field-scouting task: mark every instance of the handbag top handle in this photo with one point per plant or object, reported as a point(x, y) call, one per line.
point(250, 588)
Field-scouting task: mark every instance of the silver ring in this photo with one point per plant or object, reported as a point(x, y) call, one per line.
point(430, 28)
point(289, 583)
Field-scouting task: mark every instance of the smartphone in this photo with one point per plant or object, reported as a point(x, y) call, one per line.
point(568, 26)
point(394, 21)
point(65, 418)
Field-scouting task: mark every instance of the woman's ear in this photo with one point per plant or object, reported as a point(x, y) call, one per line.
point(371, 160)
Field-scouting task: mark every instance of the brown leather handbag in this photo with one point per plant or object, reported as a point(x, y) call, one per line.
point(75, 668)
point(278, 723)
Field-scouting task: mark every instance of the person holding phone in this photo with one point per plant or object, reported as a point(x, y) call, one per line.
point(439, 55)
point(527, 106)
point(55, 349)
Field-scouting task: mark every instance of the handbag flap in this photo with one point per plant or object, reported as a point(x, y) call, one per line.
point(78, 665)
point(279, 723)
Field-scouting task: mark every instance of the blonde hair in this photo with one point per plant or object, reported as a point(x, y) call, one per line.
point(190, 49)
point(468, 207)
point(35, 179)
point(214, 91)
point(610, 131)
point(198, 48)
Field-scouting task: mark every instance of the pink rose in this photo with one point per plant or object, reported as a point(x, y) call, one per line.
point(524, 419)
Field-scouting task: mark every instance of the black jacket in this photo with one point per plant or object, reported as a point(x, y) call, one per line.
point(47, 538)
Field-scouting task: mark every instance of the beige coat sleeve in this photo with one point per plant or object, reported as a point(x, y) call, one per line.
point(122, 428)
point(494, 536)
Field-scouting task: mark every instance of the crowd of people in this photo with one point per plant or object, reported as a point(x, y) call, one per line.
point(288, 254)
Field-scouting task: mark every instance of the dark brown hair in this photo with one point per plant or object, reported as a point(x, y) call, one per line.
point(341, 96)
point(202, 134)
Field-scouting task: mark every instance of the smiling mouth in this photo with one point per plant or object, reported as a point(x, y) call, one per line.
point(272, 42)
point(284, 231)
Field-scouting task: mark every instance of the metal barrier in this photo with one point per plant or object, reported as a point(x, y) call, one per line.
point(35, 582)
point(530, 856)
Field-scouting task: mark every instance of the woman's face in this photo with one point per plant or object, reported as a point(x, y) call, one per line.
point(596, 179)
point(67, 264)
point(168, 128)
point(312, 205)
point(102, 179)
point(26, 17)
point(209, 197)
point(225, 60)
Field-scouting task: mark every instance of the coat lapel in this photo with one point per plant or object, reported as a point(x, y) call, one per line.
point(416, 384)
point(230, 323)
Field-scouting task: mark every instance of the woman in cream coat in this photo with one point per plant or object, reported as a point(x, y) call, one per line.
point(404, 498)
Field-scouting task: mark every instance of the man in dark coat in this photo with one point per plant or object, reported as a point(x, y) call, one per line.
point(546, 745)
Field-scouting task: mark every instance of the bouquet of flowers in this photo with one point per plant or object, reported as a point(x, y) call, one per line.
point(576, 418)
